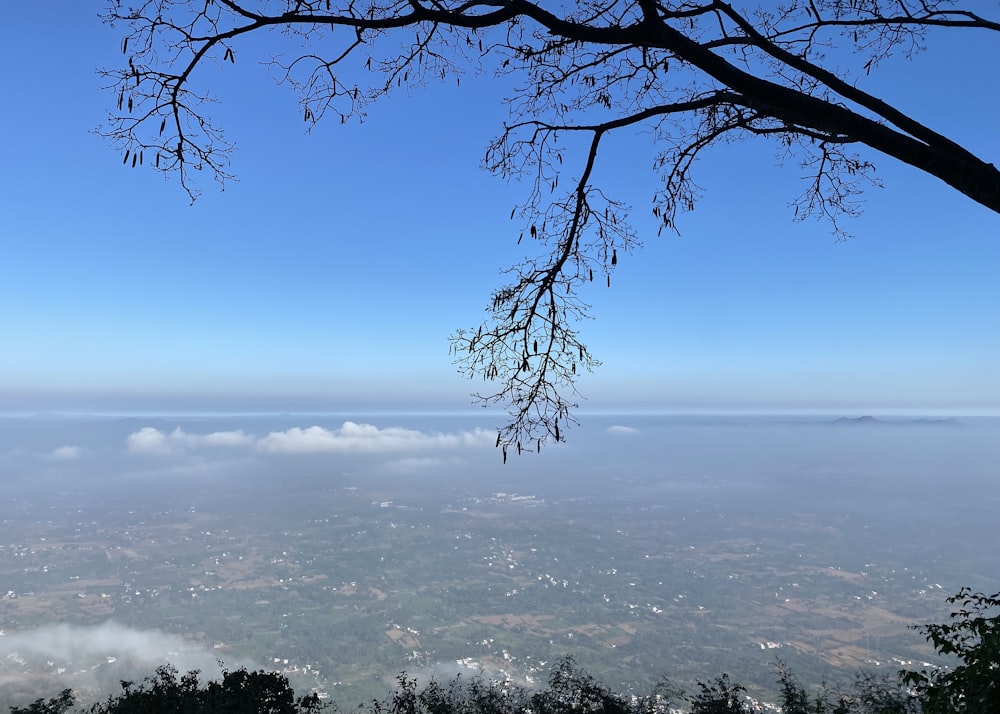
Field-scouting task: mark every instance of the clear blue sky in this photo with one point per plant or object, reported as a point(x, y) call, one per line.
point(330, 276)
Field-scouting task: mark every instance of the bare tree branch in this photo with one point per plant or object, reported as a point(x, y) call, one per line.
point(694, 74)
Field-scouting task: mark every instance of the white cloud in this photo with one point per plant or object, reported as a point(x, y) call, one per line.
point(150, 440)
point(88, 645)
point(621, 430)
point(350, 438)
point(66, 453)
point(366, 439)
point(419, 465)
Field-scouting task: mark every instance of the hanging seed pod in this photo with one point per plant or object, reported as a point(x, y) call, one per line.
point(163, 125)
point(557, 429)
point(614, 257)
point(498, 439)
point(157, 159)
point(125, 45)
point(535, 345)
point(135, 158)
point(125, 160)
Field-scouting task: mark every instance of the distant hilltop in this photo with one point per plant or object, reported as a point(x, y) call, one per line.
point(857, 420)
point(922, 421)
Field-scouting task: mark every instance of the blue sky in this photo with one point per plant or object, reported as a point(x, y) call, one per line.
point(330, 275)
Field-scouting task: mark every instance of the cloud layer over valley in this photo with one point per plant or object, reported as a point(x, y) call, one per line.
point(349, 438)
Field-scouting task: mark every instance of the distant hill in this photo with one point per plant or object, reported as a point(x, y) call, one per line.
point(857, 420)
point(922, 421)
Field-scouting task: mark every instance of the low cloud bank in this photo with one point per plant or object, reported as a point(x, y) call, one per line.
point(153, 441)
point(79, 648)
point(411, 465)
point(621, 430)
point(366, 439)
point(349, 438)
point(66, 453)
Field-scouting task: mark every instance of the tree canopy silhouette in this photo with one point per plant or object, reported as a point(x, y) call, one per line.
point(692, 73)
point(972, 636)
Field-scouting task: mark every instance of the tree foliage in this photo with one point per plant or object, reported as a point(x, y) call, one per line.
point(238, 692)
point(58, 704)
point(869, 694)
point(691, 73)
point(973, 637)
point(720, 696)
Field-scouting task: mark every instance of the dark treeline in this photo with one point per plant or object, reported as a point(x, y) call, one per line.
point(971, 686)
